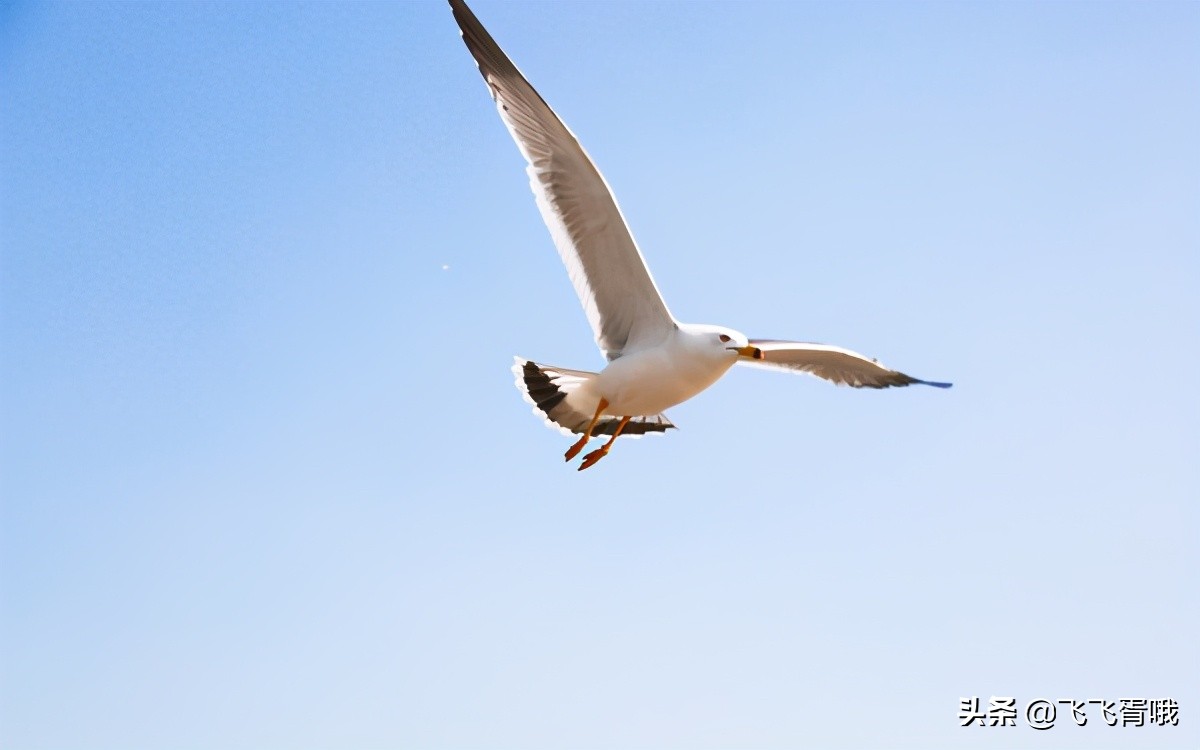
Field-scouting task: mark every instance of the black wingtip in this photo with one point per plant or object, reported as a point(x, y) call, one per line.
point(935, 385)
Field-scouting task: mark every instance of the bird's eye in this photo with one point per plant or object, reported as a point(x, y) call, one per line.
point(724, 338)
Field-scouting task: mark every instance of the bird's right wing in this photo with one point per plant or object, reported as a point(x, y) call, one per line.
point(832, 363)
point(619, 296)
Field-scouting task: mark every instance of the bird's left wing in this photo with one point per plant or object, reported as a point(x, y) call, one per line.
point(621, 301)
point(832, 363)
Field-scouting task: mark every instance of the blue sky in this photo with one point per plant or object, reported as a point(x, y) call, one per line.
point(267, 483)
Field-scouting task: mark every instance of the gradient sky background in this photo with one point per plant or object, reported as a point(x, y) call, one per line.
point(267, 483)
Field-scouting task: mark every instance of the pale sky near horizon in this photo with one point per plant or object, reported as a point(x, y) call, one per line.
point(266, 481)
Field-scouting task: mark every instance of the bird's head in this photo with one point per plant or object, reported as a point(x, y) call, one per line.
point(722, 342)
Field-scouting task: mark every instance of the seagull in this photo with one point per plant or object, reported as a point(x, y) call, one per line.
point(654, 361)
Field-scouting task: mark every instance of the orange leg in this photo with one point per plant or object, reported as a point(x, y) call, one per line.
point(573, 451)
point(591, 458)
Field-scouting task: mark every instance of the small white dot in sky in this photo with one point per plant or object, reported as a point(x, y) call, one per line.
point(445, 268)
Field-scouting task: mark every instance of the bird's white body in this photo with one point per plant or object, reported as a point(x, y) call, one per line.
point(652, 380)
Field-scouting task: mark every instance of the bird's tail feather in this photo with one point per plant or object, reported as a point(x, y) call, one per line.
point(549, 389)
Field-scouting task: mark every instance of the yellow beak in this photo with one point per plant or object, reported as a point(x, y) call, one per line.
point(753, 352)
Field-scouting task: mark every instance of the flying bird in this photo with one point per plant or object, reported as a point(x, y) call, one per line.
point(654, 361)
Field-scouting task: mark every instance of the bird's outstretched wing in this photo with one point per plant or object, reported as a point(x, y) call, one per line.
point(620, 298)
point(832, 363)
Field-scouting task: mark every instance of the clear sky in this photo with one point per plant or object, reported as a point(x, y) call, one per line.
point(267, 483)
